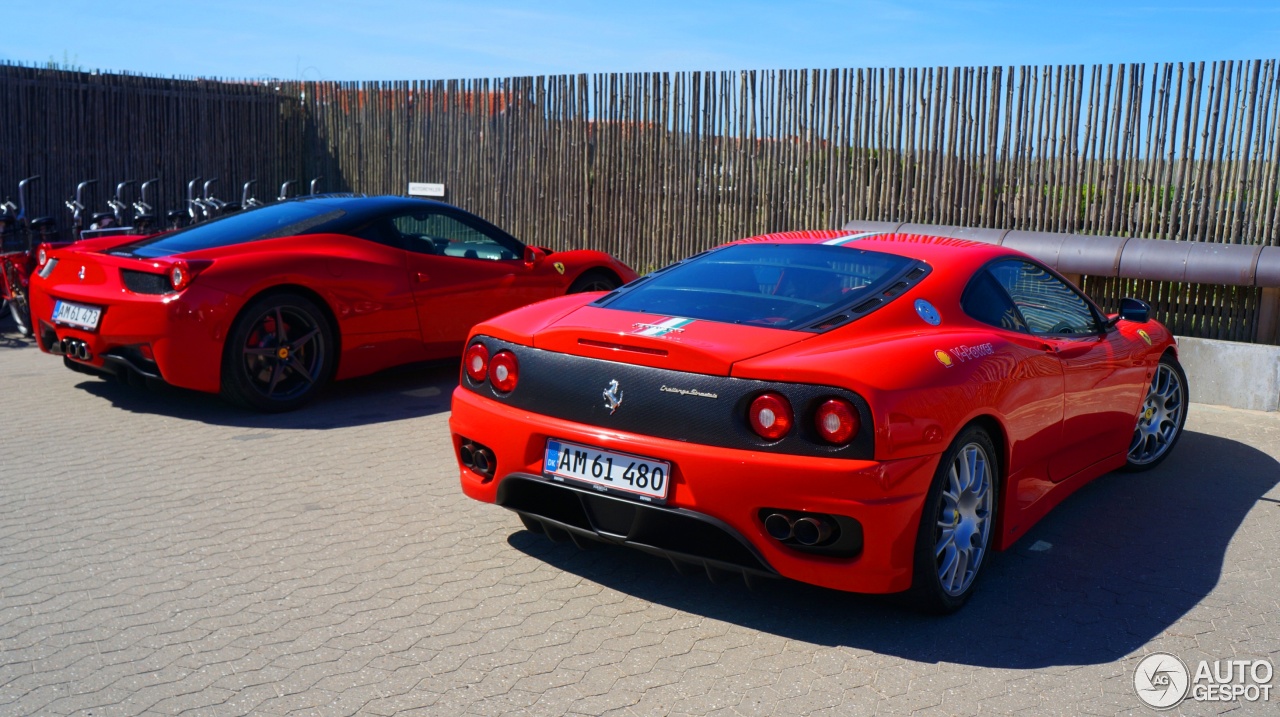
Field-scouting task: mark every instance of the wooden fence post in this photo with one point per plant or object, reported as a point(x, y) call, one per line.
point(1267, 330)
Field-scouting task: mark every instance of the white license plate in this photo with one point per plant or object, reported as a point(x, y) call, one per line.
point(79, 315)
point(607, 472)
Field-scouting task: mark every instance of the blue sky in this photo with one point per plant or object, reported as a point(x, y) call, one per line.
point(426, 39)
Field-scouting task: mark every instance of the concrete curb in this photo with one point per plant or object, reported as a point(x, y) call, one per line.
point(1228, 373)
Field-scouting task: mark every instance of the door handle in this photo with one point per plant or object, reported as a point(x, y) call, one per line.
point(421, 278)
point(1048, 348)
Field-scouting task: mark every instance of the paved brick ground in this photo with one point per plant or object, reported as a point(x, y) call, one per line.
point(162, 553)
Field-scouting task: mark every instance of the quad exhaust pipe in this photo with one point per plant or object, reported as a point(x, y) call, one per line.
point(75, 348)
point(477, 458)
point(808, 530)
point(811, 531)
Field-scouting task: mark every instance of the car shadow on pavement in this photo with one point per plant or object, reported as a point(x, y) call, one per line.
point(1109, 569)
point(394, 395)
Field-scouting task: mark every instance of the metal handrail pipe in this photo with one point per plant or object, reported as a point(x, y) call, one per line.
point(1127, 257)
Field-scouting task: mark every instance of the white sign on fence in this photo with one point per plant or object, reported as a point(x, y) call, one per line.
point(426, 189)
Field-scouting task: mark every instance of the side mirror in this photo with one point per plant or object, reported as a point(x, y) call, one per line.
point(1135, 310)
point(532, 255)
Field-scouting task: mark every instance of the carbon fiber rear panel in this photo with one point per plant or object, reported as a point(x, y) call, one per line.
point(572, 388)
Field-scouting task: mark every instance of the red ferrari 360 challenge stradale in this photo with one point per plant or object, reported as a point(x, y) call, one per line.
point(267, 305)
point(871, 413)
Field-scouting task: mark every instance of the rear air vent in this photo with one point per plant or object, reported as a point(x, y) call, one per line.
point(896, 289)
point(140, 282)
point(900, 285)
point(602, 301)
point(831, 323)
point(867, 305)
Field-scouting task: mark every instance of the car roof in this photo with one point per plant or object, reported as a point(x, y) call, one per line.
point(934, 250)
point(360, 208)
point(323, 214)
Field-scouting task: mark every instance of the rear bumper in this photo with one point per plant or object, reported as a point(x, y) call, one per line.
point(721, 487)
point(686, 538)
point(184, 332)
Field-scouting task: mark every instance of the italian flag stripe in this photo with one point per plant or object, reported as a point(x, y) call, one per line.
point(664, 327)
point(838, 241)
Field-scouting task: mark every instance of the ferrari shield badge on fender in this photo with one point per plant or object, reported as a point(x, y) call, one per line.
point(944, 358)
point(559, 267)
point(1145, 336)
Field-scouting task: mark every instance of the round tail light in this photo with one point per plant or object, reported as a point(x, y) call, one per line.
point(42, 256)
point(770, 416)
point(179, 275)
point(837, 421)
point(476, 362)
point(504, 371)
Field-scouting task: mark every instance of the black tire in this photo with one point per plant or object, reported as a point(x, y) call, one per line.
point(938, 585)
point(19, 309)
point(1161, 417)
point(594, 280)
point(257, 374)
point(21, 314)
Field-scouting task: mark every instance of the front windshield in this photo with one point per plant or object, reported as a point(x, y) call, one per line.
point(277, 220)
point(775, 285)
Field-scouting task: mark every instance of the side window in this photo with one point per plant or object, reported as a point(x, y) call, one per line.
point(381, 232)
point(433, 233)
point(1048, 305)
point(985, 300)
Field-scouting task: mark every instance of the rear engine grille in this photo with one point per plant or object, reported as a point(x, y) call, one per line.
point(140, 282)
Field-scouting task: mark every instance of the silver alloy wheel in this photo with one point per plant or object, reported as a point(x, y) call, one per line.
point(1160, 418)
point(964, 519)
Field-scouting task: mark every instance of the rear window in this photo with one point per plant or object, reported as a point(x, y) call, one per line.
point(776, 285)
point(278, 220)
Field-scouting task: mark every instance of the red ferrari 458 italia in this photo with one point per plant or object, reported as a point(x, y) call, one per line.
point(267, 305)
point(871, 413)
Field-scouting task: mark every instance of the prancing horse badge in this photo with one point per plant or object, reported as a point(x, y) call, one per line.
point(612, 397)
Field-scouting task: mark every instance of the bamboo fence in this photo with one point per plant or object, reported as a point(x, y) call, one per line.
point(656, 166)
point(70, 127)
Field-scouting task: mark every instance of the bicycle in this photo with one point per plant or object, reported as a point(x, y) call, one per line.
point(77, 208)
point(143, 213)
point(21, 237)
